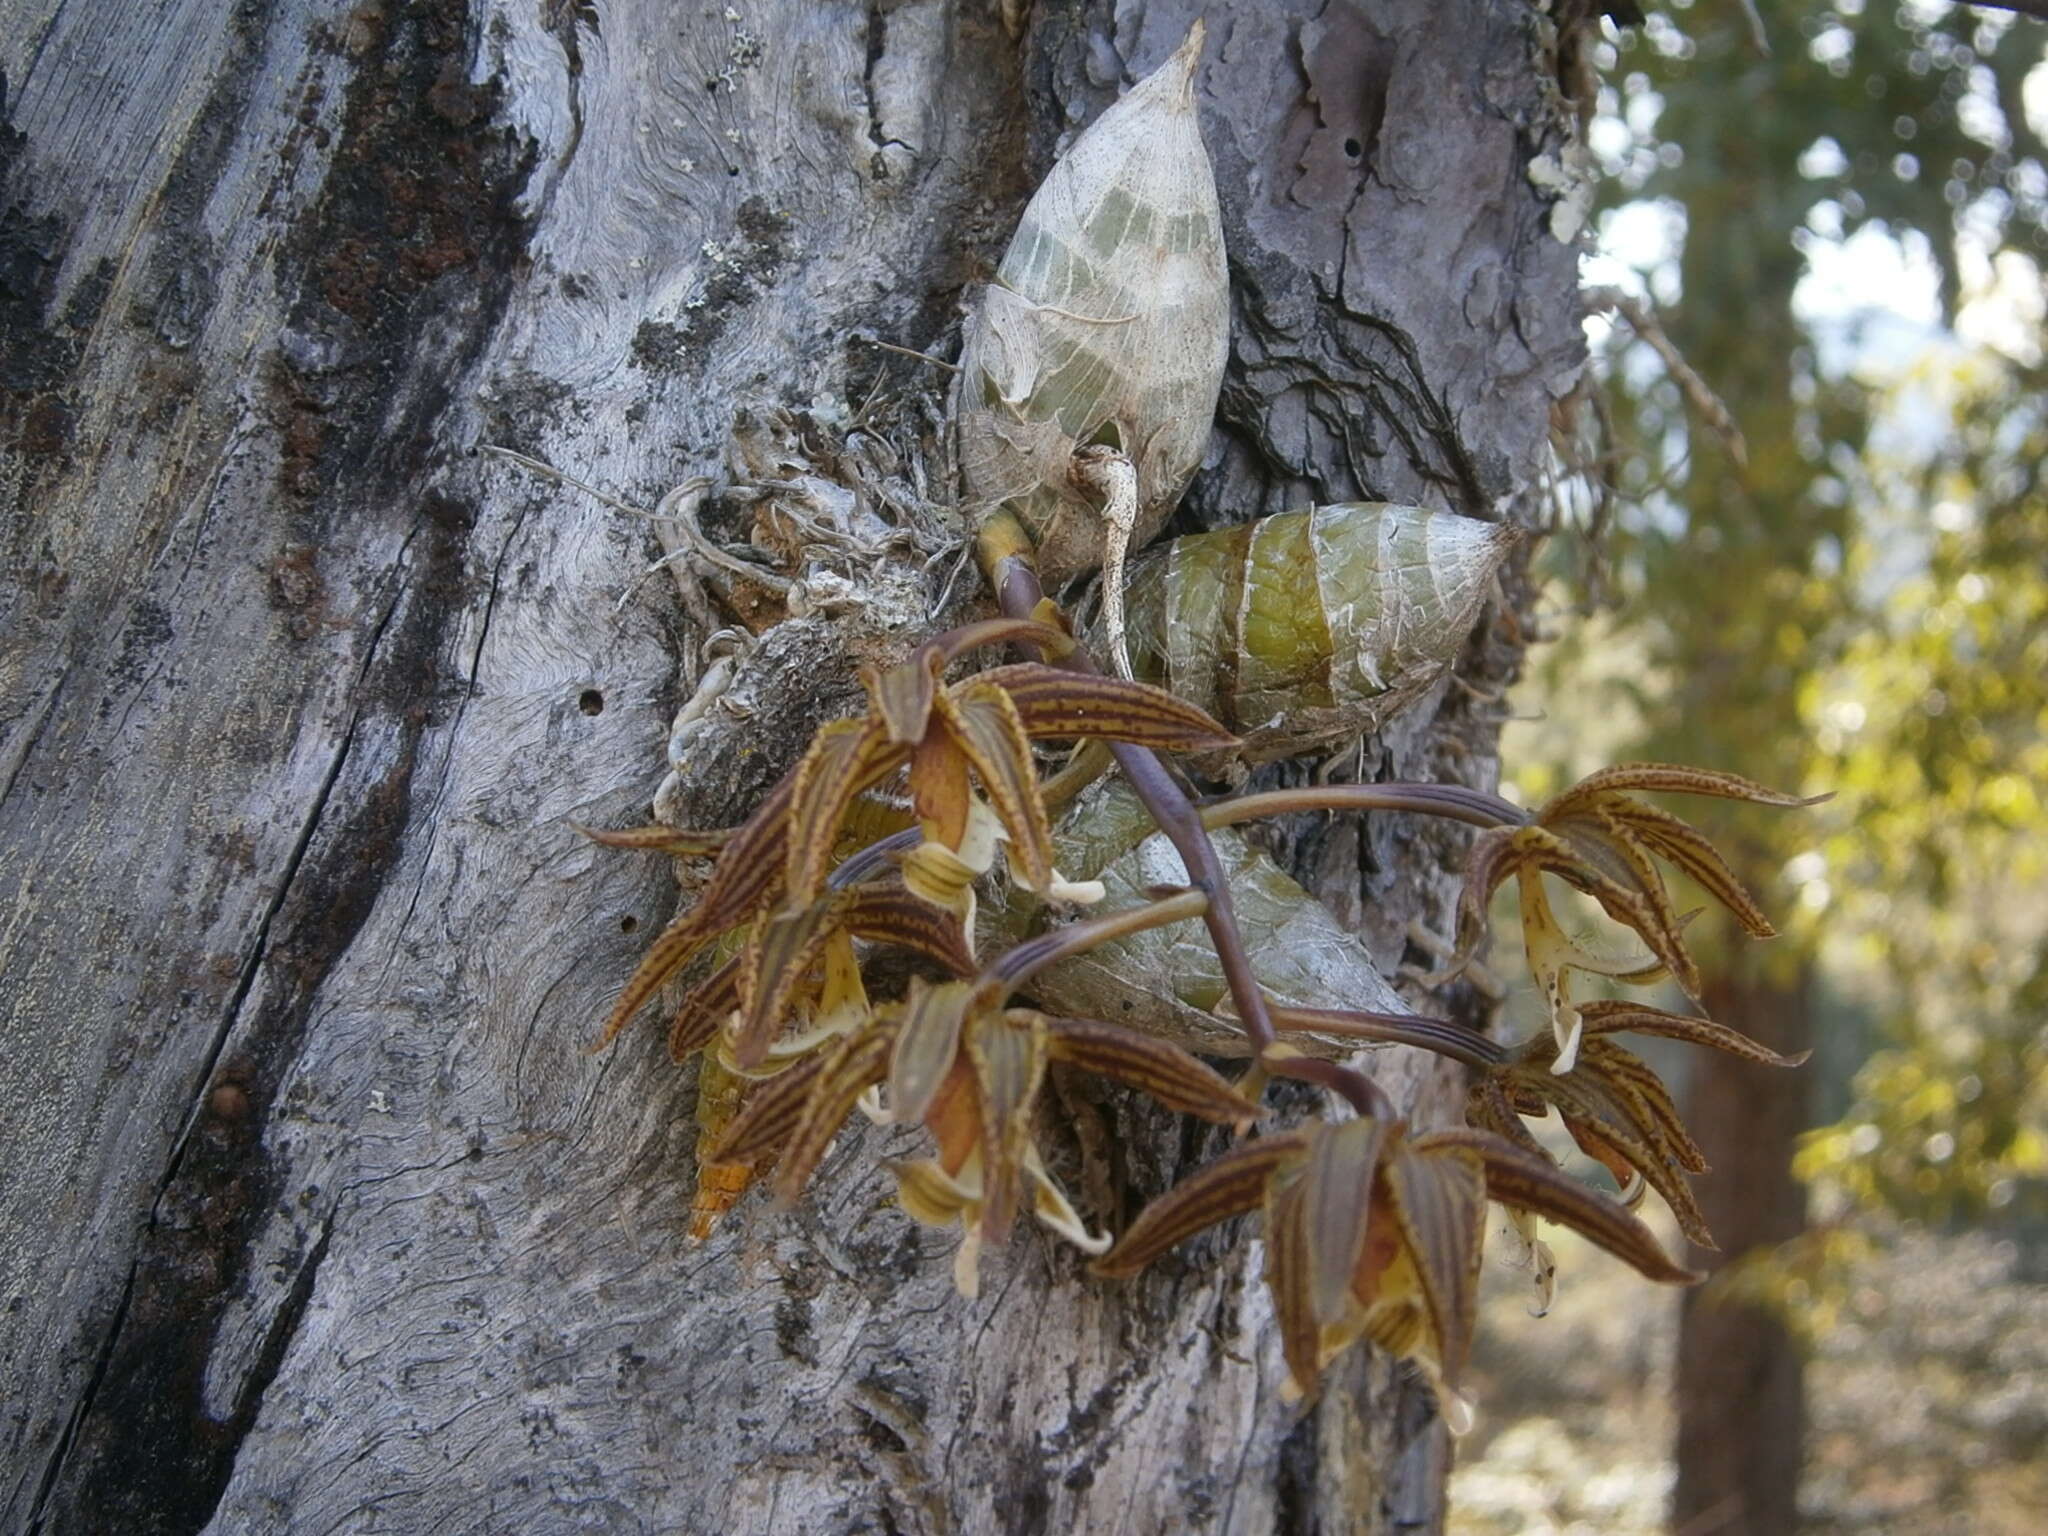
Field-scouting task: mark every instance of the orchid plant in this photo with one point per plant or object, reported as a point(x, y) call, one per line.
point(1084, 398)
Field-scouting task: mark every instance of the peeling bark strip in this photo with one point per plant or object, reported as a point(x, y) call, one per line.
point(316, 1217)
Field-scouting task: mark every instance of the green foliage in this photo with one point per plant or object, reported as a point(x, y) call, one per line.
point(1862, 605)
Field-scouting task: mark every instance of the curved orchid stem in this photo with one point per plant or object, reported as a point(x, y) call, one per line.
point(1453, 802)
point(1441, 1036)
point(1006, 558)
point(1019, 964)
point(874, 858)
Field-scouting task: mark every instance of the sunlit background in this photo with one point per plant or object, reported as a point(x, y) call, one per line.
point(1842, 238)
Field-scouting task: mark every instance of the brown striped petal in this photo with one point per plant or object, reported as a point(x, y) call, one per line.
point(1336, 1194)
point(778, 957)
point(744, 878)
point(1223, 1188)
point(1231, 1185)
point(1618, 1016)
point(1057, 704)
point(1168, 1073)
point(1630, 1079)
point(1626, 1158)
point(845, 757)
point(1611, 1122)
point(1671, 778)
point(889, 914)
point(924, 1047)
point(704, 1010)
point(1492, 1107)
point(1610, 1087)
point(1621, 878)
point(676, 947)
point(1520, 1181)
point(853, 1067)
point(1009, 1066)
point(1488, 863)
point(1688, 849)
point(941, 792)
point(902, 695)
point(1290, 1277)
point(1439, 1199)
point(772, 1113)
point(982, 719)
point(660, 839)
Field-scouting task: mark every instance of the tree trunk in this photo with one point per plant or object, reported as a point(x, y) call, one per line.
point(1740, 1387)
point(317, 1217)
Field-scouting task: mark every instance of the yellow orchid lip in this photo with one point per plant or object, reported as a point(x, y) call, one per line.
point(933, 1197)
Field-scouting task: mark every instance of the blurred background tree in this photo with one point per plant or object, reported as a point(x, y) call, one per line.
point(1834, 215)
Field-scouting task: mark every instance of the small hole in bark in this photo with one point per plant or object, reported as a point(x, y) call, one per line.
point(1353, 149)
point(628, 923)
point(591, 702)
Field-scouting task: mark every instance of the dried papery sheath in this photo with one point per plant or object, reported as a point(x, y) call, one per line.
point(1167, 981)
point(1108, 322)
point(1311, 627)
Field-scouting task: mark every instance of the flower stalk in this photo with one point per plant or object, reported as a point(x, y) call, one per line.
point(1452, 802)
point(1005, 551)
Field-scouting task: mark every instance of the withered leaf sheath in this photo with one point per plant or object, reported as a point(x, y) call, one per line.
point(1169, 981)
point(1311, 627)
point(1108, 322)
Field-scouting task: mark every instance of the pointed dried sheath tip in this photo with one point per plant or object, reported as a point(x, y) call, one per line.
point(1108, 322)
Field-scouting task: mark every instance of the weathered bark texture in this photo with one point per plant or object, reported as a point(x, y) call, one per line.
point(316, 1217)
point(1739, 1387)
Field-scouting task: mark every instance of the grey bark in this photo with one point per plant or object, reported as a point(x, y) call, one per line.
point(316, 1216)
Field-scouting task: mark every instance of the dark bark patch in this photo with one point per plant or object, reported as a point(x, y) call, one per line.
point(404, 260)
point(297, 591)
point(1296, 1508)
point(793, 1330)
point(179, 286)
point(39, 348)
point(659, 347)
point(1025, 1504)
point(746, 264)
point(147, 1457)
point(147, 631)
